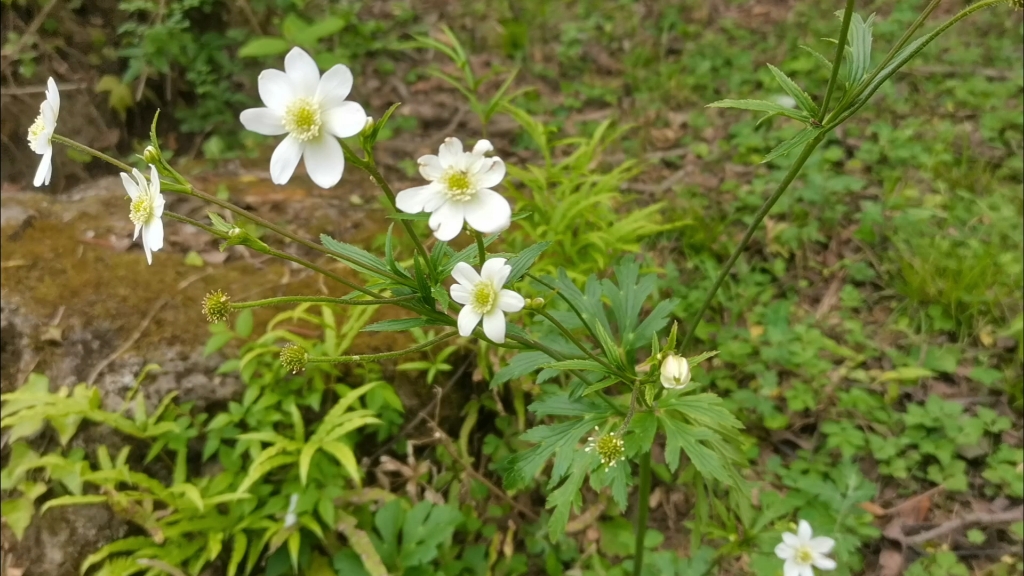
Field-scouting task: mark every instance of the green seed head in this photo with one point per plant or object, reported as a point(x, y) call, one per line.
point(294, 358)
point(609, 447)
point(216, 306)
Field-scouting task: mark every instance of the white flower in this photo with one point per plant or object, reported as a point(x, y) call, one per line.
point(675, 371)
point(146, 209)
point(41, 131)
point(312, 111)
point(482, 296)
point(459, 191)
point(802, 552)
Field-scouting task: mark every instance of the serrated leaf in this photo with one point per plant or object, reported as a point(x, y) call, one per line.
point(523, 466)
point(356, 257)
point(694, 360)
point(762, 106)
point(819, 56)
point(682, 436)
point(344, 455)
point(567, 497)
point(791, 88)
point(123, 545)
point(522, 261)
point(520, 365)
point(802, 137)
point(305, 459)
point(579, 365)
point(860, 48)
point(362, 544)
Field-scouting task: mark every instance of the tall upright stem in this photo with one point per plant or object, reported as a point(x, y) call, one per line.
point(643, 507)
point(798, 164)
point(837, 61)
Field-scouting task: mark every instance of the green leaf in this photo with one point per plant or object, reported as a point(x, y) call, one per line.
point(216, 342)
point(694, 360)
point(323, 27)
point(688, 438)
point(523, 466)
point(344, 455)
point(362, 544)
point(238, 547)
point(567, 497)
point(244, 323)
point(129, 544)
point(579, 365)
point(762, 106)
point(520, 365)
point(305, 458)
point(400, 324)
point(356, 257)
point(791, 88)
point(860, 48)
point(17, 513)
point(802, 137)
point(521, 262)
point(819, 56)
point(71, 501)
point(263, 46)
point(562, 405)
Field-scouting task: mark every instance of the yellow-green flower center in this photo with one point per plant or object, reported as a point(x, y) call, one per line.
point(302, 119)
point(484, 297)
point(141, 210)
point(804, 555)
point(458, 185)
point(609, 447)
point(35, 131)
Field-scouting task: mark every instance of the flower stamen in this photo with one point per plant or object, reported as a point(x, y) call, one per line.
point(302, 119)
point(141, 210)
point(484, 298)
point(458, 186)
point(35, 133)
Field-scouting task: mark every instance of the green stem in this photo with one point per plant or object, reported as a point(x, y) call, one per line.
point(318, 300)
point(907, 35)
point(384, 355)
point(95, 153)
point(370, 167)
point(798, 164)
point(186, 220)
point(572, 338)
point(837, 62)
point(323, 271)
point(481, 250)
point(644, 493)
point(567, 301)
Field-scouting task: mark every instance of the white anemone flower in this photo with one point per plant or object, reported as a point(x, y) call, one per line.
point(459, 191)
point(803, 552)
point(675, 372)
point(312, 111)
point(41, 132)
point(146, 209)
point(482, 297)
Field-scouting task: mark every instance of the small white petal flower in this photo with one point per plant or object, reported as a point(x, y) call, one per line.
point(291, 518)
point(312, 111)
point(482, 297)
point(675, 372)
point(802, 552)
point(459, 191)
point(41, 133)
point(146, 209)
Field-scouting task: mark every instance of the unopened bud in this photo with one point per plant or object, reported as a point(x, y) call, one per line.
point(675, 372)
point(241, 237)
point(535, 303)
point(294, 358)
point(150, 155)
point(216, 306)
point(368, 128)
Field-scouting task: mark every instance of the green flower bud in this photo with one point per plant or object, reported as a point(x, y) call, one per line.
point(294, 358)
point(216, 306)
point(150, 155)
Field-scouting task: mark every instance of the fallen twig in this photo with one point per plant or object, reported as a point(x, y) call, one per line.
point(1013, 515)
point(128, 343)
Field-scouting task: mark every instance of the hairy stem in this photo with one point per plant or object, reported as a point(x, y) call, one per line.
point(90, 151)
point(318, 300)
point(837, 61)
point(798, 164)
point(383, 355)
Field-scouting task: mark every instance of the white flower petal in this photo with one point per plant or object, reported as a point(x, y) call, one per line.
point(345, 119)
point(447, 220)
point(488, 212)
point(450, 152)
point(430, 167)
point(806, 570)
point(482, 147)
point(792, 540)
point(154, 179)
point(284, 160)
point(145, 247)
point(140, 180)
point(490, 173)
point(510, 301)
point(494, 325)
point(413, 200)
point(821, 544)
point(158, 204)
point(791, 568)
point(42, 176)
point(495, 271)
point(138, 228)
point(468, 319)
point(334, 86)
point(153, 232)
point(325, 161)
point(804, 532)
point(262, 121)
point(784, 551)
point(53, 96)
point(460, 293)
point(824, 562)
point(303, 72)
point(275, 90)
point(435, 201)
point(465, 274)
